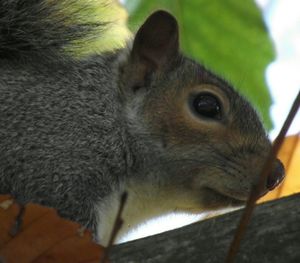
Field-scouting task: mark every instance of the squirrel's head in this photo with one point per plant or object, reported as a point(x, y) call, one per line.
point(206, 143)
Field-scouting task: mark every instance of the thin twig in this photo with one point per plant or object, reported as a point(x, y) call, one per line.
point(240, 231)
point(116, 228)
point(18, 221)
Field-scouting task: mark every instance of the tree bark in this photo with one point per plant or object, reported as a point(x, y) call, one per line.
point(272, 236)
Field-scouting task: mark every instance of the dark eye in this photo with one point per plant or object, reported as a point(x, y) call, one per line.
point(207, 105)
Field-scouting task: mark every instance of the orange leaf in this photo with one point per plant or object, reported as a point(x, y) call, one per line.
point(43, 237)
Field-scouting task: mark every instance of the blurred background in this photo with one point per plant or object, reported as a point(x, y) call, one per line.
point(283, 74)
point(256, 45)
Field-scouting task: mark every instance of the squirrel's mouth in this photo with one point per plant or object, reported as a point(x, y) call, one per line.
point(214, 199)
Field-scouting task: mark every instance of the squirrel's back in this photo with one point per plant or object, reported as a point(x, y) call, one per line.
point(57, 114)
point(55, 121)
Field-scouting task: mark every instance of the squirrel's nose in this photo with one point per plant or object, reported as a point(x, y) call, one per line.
point(276, 176)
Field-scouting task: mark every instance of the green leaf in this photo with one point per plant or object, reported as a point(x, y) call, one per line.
point(228, 37)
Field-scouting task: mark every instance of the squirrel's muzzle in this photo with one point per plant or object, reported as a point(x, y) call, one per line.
point(276, 176)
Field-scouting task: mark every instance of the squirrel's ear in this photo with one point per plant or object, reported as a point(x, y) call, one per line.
point(156, 42)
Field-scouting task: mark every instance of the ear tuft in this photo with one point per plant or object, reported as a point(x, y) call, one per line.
point(156, 42)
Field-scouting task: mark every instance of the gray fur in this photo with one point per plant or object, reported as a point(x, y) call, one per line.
point(55, 120)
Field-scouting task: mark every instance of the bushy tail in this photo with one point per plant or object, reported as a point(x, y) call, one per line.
point(46, 26)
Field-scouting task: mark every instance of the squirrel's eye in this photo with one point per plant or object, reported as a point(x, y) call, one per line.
point(207, 105)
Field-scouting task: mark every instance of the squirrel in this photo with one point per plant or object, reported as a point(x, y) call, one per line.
point(76, 133)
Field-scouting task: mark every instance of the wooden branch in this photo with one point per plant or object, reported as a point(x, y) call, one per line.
point(273, 236)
